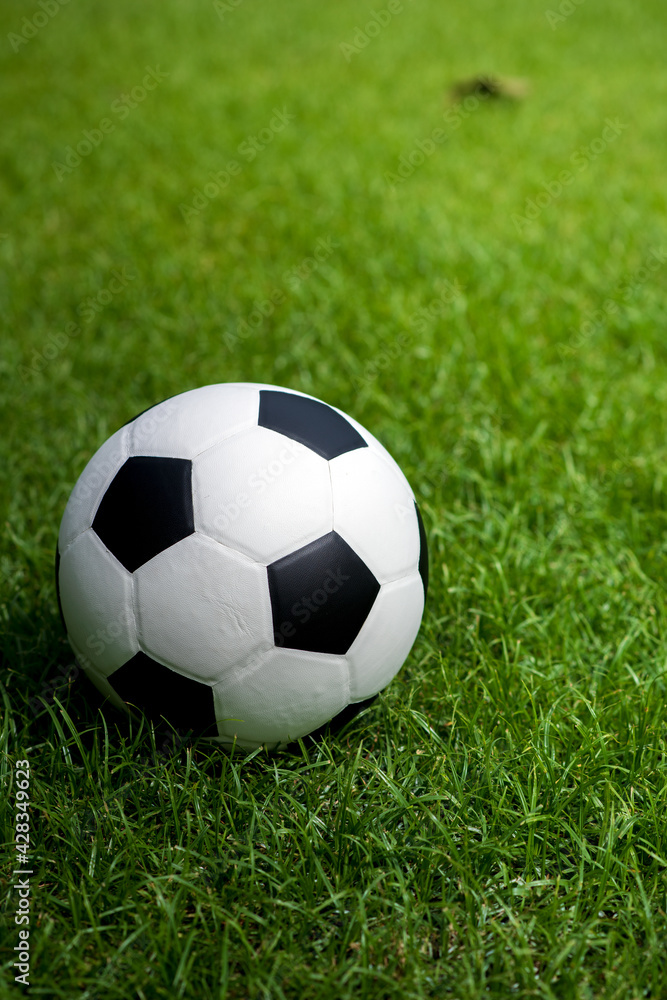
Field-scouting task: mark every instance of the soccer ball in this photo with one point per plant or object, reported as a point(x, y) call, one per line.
point(244, 561)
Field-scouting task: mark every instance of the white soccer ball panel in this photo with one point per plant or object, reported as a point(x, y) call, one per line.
point(96, 598)
point(387, 636)
point(188, 424)
point(283, 695)
point(202, 608)
point(374, 511)
point(262, 493)
point(91, 487)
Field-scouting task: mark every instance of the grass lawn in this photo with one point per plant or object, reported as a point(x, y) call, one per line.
point(484, 286)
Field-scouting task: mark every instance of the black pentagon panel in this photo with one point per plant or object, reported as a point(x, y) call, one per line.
point(308, 421)
point(147, 507)
point(185, 703)
point(423, 551)
point(320, 596)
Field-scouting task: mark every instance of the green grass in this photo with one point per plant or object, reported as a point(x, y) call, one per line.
point(494, 825)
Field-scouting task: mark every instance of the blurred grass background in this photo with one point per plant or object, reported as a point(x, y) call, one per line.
point(493, 826)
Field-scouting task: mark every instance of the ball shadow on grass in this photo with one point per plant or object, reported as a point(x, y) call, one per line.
point(85, 704)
